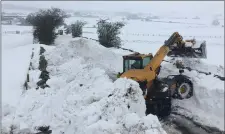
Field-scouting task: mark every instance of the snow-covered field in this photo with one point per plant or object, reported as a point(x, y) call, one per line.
point(147, 37)
point(83, 99)
point(16, 54)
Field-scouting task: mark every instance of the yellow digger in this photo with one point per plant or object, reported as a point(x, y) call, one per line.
point(144, 68)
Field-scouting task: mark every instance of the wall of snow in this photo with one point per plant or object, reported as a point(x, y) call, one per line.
point(207, 104)
point(81, 97)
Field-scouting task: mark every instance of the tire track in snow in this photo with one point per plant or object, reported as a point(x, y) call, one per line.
point(184, 125)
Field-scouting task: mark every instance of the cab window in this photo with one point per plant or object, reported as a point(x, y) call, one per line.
point(132, 64)
point(146, 60)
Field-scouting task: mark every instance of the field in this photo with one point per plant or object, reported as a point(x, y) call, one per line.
point(146, 37)
point(65, 103)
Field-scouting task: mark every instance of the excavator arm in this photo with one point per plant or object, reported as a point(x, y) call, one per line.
point(150, 71)
point(156, 61)
point(155, 91)
point(163, 51)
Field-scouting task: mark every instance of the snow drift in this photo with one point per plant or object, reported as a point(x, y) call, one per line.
point(81, 97)
point(207, 104)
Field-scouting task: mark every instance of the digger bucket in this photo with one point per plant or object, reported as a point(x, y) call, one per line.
point(195, 51)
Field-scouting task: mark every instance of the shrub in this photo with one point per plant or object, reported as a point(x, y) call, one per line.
point(108, 33)
point(77, 28)
point(45, 22)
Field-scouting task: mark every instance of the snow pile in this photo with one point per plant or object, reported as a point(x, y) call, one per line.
point(201, 65)
point(207, 104)
point(81, 97)
point(208, 100)
point(121, 112)
point(93, 54)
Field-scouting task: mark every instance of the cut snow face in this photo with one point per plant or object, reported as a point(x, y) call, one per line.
point(81, 97)
point(207, 104)
point(123, 111)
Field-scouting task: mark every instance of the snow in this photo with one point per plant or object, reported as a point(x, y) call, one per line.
point(11, 29)
point(14, 71)
point(15, 40)
point(207, 104)
point(80, 81)
point(11, 73)
point(82, 98)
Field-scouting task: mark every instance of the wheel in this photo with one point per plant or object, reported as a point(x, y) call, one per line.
point(184, 89)
point(165, 108)
point(150, 108)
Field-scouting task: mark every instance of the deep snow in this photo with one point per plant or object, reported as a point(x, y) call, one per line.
point(207, 104)
point(16, 54)
point(14, 71)
point(86, 89)
point(82, 98)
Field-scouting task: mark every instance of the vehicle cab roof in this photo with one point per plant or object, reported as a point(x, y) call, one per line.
point(136, 56)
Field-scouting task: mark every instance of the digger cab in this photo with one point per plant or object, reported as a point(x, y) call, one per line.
point(136, 61)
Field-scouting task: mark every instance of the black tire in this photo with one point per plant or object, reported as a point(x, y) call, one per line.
point(150, 109)
point(165, 108)
point(188, 87)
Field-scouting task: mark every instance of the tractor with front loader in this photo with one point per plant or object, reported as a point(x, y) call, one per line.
point(144, 69)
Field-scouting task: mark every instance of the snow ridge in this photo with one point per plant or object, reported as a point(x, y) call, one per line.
point(81, 97)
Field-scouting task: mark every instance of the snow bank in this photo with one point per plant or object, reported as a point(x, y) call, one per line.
point(81, 97)
point(207, 104)
point(93, 54)
point(202, 65)
point(121, 112)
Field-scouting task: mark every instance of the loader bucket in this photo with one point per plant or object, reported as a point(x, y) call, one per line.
point(190, 52)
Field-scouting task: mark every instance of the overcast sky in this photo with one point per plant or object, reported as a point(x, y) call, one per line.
point(189, 7)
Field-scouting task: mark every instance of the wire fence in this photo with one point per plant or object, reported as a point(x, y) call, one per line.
point(128, 34)
point(17, 32)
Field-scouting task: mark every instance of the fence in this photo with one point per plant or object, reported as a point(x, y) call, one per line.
point(17, 32)
point(162, 35)
point(127, 34)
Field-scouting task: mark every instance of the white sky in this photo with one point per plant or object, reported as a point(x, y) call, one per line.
point(187, 7)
